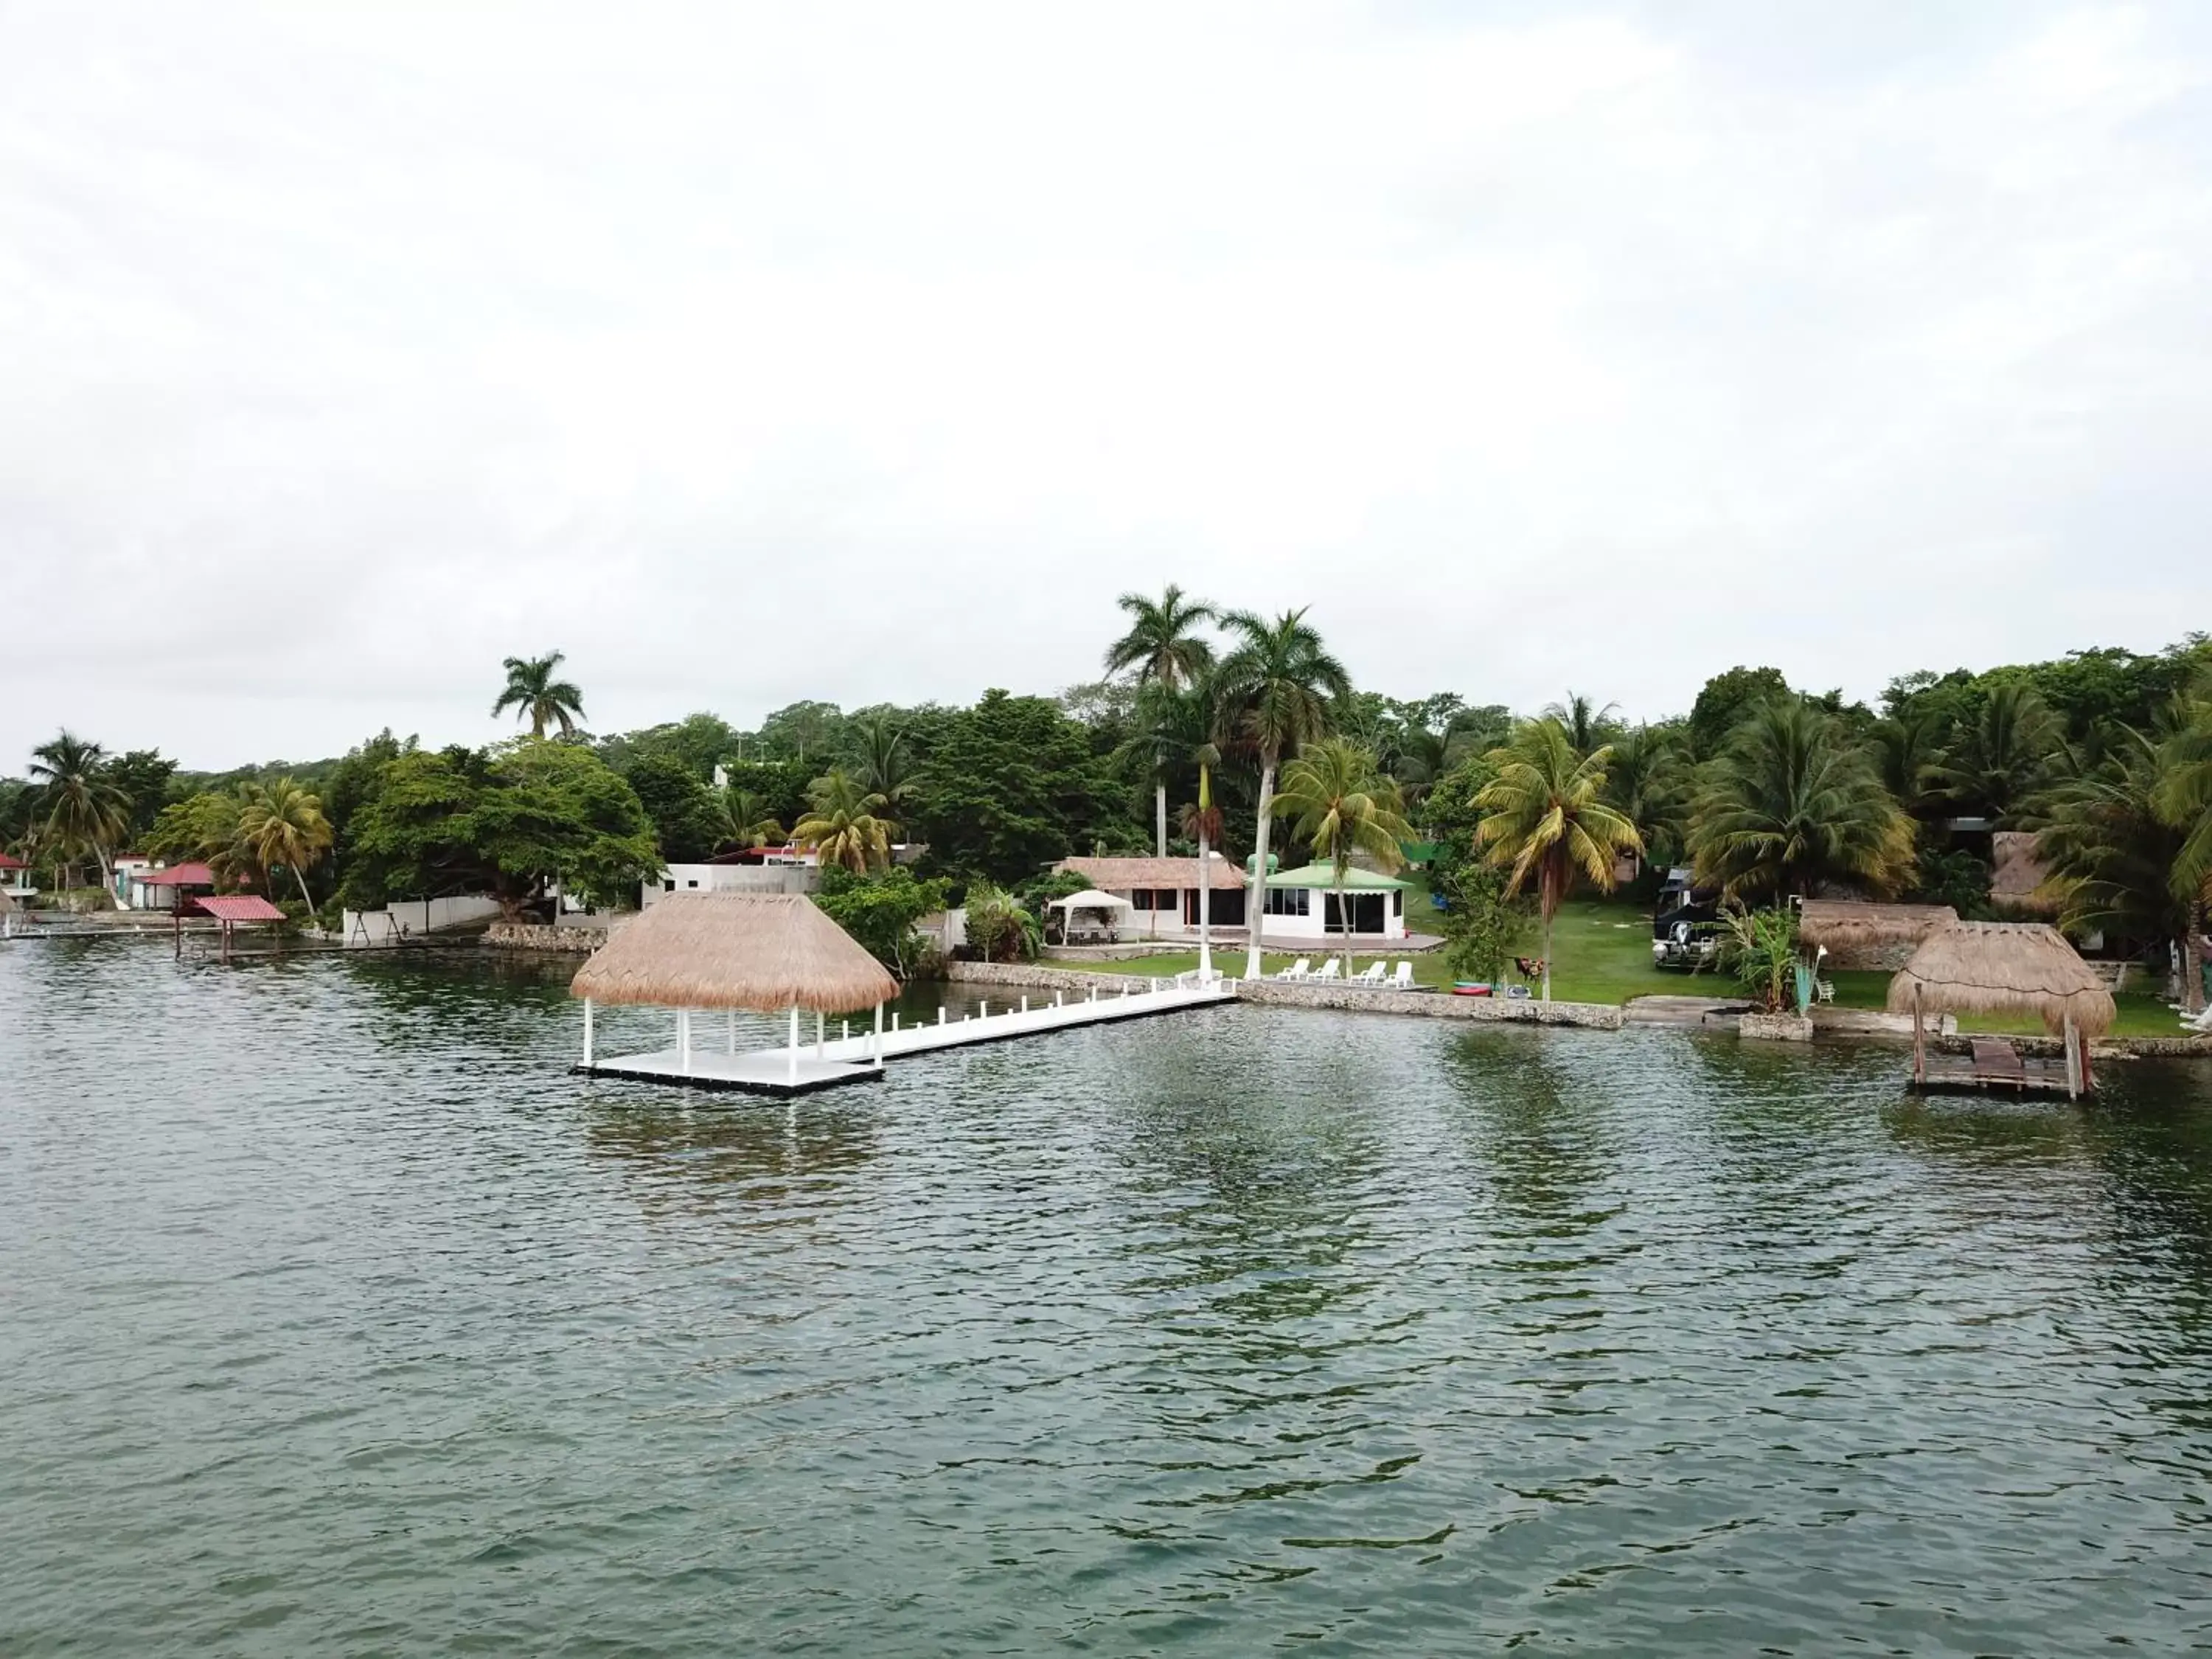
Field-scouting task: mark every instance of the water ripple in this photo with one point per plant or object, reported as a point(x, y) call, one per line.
point(339, 1318)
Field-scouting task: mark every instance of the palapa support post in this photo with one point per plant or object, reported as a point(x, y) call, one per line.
point(1919, 1042)
point(2073, 1059)
point(818, 1034)
point(588, 1034)
point(790, 1074)
point(733, 1030)
point(683, 1040)
point(879, 1034)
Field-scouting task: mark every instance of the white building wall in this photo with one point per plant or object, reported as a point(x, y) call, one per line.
point(732, 878)
point(412, 918)
point(1313, 925)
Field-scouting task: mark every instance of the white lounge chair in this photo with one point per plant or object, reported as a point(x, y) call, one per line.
point(1403, 979)
point(1302, 968)
point(1327, 971)
point(2201, 1023)
point(1370, 975)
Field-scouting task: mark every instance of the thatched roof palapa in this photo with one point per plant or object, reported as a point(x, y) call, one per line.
point(2005, 967)
point(766, 952)
point(2019, 881)
point(1857, 925)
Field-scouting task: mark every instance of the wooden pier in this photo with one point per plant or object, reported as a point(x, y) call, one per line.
point(797, 1067)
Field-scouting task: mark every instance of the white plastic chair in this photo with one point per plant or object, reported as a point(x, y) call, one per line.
point(1302, 968)
point(1328, 969)
point(1403, 979)
point(1370, 975)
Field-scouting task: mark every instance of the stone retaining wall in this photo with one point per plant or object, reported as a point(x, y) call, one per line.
point(1432, 1005)
point(530, 936)
point(1033, 974)
point(1776, 1028)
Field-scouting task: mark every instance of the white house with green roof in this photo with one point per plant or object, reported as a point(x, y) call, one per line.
point(1303, 904)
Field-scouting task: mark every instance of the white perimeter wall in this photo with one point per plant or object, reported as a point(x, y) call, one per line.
point(415, 917)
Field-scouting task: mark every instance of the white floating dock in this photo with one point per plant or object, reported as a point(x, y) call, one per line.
point(824, 1065)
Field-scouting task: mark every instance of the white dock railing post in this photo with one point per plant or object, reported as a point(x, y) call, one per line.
point(845, 1029)
point(983, 1010)
point(588, 1034)
point(1025, 1004)
point(895, 1022)
point(1060, 999)
point(940, 1013)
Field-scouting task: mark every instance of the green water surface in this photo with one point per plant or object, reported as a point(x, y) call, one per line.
point(336, 1317)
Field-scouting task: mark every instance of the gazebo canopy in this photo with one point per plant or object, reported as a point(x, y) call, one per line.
point(234, 907)
point(766, 952)
point(1857, 925)
point(2004, 967)
point(1091, 899)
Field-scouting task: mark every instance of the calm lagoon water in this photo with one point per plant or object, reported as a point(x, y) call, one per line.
point(336, 1318)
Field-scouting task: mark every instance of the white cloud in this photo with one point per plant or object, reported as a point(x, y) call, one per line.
point(754, 354)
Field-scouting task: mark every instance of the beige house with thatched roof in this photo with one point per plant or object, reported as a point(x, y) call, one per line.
point(1163, 893)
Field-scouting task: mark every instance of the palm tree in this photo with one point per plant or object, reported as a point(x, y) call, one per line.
point(535, 696)
point(1547, 820)
point(84, 810)
point(883, 761)
point(2114, 852)
point(1274, 688)
point(742, 817)
point(842, 825)
point(1648, 780)
point(1905, 751)
point(282, 823)
point(1585, 724)
point(2184, 800)
point(2000, 758)
point(1161, 647)
point(1791, 804)
point(1201, 821)
point(1344, 804)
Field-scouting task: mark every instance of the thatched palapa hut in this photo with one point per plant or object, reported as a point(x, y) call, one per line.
point(767, 952)
point(2006, 967)
point(1856, 934)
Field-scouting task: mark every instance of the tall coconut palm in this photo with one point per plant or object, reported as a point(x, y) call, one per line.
point(743, 817)
point(2185, 804)
point(1792, 804)
point(1274, 689)
point(1906, 750)
point(1546, 821)
point(1999, 760)
point(1586, 725)
point(842, 825)
point(535, 696)
point(1648, 780)
point(84, 810)
point(1344, 803)
point(1201, 821)
point(883, 760)
point(282, 823)
point(1163, 649)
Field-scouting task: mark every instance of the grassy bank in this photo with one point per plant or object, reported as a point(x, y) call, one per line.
point(1601, 952)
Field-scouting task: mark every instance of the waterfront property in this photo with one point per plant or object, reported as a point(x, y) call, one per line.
point(16, 879)
point(1162, 894)
point(1854, 934)
point(1304, 906)
point(2003, 967)
point(166, 887)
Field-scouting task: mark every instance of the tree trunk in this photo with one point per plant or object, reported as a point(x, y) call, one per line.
point(1205, 909)
point(1547, 948)
point(1159, 814)
point(1256, 903)
point(1344, 921)
point(2192, 969)
point(300, 876)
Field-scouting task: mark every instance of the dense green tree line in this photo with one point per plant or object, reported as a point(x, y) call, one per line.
point(1766, 790)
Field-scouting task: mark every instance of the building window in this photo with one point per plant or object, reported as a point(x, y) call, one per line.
point(690, 883)
point(668, 886)
point(1289, 902)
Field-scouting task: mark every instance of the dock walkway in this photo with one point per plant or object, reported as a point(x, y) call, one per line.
point(826, 1065)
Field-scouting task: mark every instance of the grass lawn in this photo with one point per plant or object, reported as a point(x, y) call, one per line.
point(1601, 952)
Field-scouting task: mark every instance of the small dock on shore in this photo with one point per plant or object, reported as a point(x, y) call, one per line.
point(801, 1067)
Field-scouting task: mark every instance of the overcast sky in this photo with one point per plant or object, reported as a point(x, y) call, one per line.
point(749, 355)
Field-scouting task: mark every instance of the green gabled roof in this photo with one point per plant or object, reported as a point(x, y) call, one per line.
point(1356, 880)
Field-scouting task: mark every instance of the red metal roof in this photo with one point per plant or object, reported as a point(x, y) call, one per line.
point(178, 875)
point(9, 862)
point(238, 907)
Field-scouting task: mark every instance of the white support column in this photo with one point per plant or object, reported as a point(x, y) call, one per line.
point(733, 1030)
point(879, 1034)
point(588, 1033)
point(683, 1040)
point(818, 1034)
point(792, 1072)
